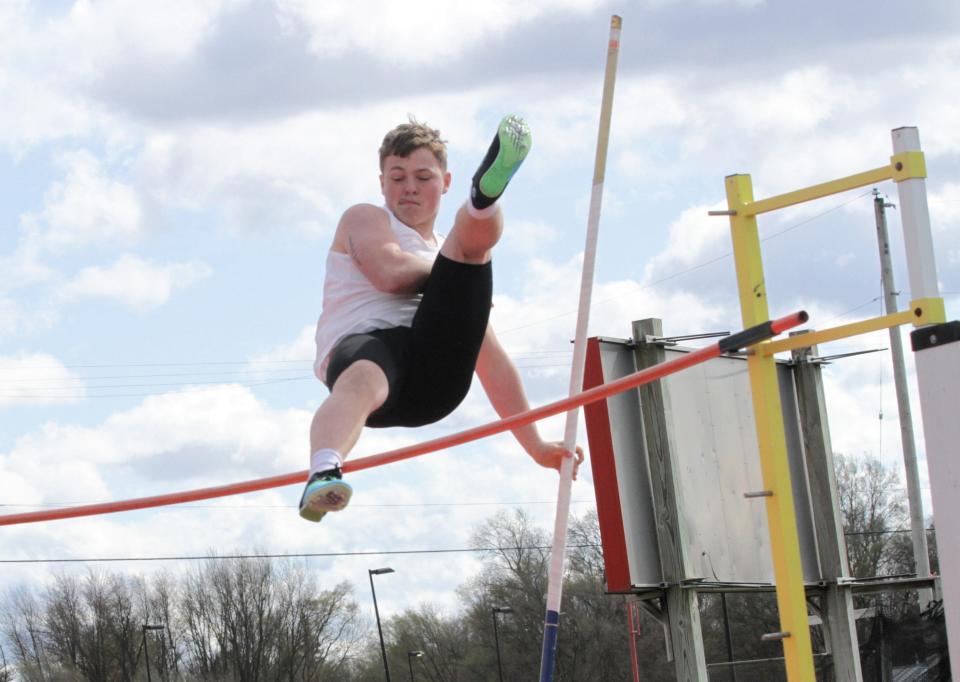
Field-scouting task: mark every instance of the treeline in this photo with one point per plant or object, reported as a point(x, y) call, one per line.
point(268, 619)
point(224, 620)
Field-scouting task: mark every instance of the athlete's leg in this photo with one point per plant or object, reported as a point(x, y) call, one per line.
point(478, 224)
point(471, 239)
point(359, 390)
point(363, 373)
point(444, 342)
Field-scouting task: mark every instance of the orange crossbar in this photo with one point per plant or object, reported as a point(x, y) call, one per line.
point(590, 396)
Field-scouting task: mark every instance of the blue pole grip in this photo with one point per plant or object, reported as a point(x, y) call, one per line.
point(551, 627)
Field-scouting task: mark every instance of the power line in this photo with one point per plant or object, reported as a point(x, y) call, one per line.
point(168, 364)
point(219, 363)
point(160, 383)
point(164, 375)
point(303, 555)
point(285, 507)
point(642, 287)
point(206, 386)
point(852, 310)
point(252, 372)
point(884, 532)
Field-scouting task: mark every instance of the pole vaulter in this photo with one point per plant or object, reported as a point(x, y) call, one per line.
point(551, 625)
point(737, 341)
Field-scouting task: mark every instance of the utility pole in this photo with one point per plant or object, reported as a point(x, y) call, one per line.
point(917, 530)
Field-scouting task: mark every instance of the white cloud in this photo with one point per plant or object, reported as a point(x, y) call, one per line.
point(17, 490)
point(298, 354)
point(200, 436)
point(695, 237)
point(420, 34)
point(945, 206)
point(134, 282)
point(87, 207)
point(797, 101)
point(301, 171)
point(17, 318)
point(34, 111)
point(10, 315)
point(36, 105)
point(51, 60)
point(529, 237)
point(543, 320)
point(268, 176)
point(657, 101)
point(936, 109)
point(37, 379)
point(292, 173)
point(23, 267)
point(109, 29)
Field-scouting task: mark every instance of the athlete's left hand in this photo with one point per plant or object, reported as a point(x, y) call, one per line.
point(552, 454)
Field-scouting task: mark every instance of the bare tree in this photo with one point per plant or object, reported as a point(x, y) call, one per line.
point(317, 630)
point(78, 628)
point(871, 507)
point(244, 604)
point(516, 557)
point(265, 620)
point(200, 628)
point(6, 670)
point(596, 642)
point(249, 620)
point(451, 651)
point(159, 606)
point(23, 628)
point(594, 636)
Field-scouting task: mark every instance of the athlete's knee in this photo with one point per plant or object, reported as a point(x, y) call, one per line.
point(363, 380)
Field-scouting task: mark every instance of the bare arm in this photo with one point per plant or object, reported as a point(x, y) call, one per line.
point(364, 234)
point(501, 381)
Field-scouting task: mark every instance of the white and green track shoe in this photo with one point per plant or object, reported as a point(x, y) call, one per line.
point(507, 151)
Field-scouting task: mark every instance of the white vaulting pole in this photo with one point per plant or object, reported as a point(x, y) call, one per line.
point(555, 587)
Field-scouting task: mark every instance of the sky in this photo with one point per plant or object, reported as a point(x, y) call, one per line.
point(171, 175)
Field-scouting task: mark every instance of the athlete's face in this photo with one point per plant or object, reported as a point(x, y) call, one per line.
point(412, 187)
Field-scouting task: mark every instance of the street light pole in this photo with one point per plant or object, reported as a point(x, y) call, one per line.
point(146, 650)
point(496, 634)
point(410, 656)
point(376, 610)
point(170, 649)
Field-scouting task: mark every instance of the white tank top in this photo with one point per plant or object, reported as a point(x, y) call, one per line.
point(352, 305)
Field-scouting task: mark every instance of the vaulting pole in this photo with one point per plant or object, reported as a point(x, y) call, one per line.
point(555, 586)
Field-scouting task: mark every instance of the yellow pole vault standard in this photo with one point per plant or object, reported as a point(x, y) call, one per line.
point(785, 546)
point(922, 311)
point(903, 166)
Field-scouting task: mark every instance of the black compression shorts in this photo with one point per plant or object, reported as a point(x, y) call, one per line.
point(429, 365)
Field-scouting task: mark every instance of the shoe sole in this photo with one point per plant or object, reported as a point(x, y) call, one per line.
point(324, 497)
point(514, 141)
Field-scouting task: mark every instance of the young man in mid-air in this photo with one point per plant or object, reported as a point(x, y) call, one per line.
point(405, 311)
